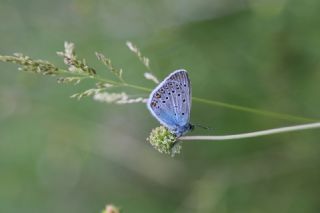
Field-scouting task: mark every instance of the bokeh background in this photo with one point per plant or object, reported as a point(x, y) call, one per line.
point(62, 155)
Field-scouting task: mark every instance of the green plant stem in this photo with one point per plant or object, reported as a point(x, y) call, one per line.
point(201, 100)
point(255, 111)
point(253, 134)
point(104, 80)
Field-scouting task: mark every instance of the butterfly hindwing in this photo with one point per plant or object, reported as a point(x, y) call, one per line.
point(182, 95)
point(160, 107)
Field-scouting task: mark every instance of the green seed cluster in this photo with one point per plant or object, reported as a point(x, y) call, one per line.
point(28, 64)
point(164, 141)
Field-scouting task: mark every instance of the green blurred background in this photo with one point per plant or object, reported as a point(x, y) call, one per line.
point(62, 155)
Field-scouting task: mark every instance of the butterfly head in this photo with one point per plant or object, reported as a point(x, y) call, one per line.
point(191, 126)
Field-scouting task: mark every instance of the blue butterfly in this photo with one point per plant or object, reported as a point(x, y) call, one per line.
point(170, 102)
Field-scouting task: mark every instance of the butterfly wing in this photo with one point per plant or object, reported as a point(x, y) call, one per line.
point(181, 96)
point(170, 102)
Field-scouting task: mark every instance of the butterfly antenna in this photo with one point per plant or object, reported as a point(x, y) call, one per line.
point(203, 127)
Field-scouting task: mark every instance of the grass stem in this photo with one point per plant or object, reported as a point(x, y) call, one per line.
point(253, 134)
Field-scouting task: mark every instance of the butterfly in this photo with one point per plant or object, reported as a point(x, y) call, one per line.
point(170, 102)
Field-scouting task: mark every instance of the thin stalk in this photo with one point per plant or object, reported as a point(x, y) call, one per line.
point(201, 100)
point(255, 111)
point(96, 77)
point(253, 134)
